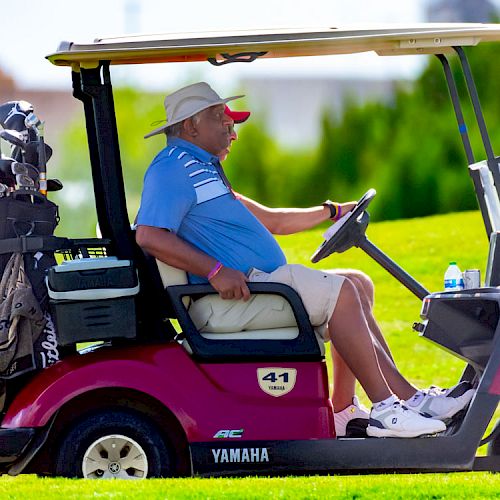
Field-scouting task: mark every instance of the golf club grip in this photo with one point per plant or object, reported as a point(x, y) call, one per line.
point(42, 166)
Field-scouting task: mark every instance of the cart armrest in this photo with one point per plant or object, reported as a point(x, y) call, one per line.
point(304, 347)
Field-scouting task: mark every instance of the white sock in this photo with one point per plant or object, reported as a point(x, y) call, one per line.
point(386, 402)
point(415, 399)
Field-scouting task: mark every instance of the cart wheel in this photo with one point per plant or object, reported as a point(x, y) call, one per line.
point(494, 445)
point(113, 444)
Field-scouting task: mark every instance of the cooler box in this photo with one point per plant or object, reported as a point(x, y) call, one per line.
point(93, 299)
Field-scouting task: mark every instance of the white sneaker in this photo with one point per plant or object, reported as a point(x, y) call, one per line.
point(441, 404)
point(461, 387)
point(396, 420)
point(352, 421)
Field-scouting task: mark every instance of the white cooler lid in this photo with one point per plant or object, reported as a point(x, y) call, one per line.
point(90, 263)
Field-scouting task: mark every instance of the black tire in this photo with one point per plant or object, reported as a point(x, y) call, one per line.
point(494, 446)
point(103, 425)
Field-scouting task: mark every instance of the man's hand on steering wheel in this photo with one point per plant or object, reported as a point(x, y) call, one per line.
point(341, 237)
point(338, 210)
point(347, 207)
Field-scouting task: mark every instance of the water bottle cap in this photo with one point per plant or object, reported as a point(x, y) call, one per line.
point(453, 263)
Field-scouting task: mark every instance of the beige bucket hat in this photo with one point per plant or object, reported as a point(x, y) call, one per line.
point(187, 102)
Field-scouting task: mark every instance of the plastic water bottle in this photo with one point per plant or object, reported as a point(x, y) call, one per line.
point(453, 278)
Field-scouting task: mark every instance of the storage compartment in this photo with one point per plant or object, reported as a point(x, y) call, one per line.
point(83, 321)
point(464, 323)
point(93, 299)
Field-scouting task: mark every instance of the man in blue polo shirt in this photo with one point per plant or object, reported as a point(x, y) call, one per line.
point(190, 219)
point(195, 208)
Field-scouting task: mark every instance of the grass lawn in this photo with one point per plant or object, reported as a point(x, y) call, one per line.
point(423, 248)
point(383, 487)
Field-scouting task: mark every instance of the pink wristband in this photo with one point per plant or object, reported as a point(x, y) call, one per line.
point(214, 270)
point(339, 212)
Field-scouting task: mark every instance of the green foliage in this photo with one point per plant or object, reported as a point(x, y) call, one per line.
point(260, 169)
point(409, 149)
point(136, 114)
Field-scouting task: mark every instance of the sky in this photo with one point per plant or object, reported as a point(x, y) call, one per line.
point(32, 28)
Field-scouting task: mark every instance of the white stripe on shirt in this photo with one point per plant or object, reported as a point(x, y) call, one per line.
point(210, 179)
point(201, 171)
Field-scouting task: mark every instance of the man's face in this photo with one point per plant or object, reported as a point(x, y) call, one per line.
point(232, 137)
point(214, 129)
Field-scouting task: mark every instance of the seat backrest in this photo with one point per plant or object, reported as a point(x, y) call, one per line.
point(171, 275)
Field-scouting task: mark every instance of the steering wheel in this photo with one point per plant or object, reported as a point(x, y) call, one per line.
point(347, 231)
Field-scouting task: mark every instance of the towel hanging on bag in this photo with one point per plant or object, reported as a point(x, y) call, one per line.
point(21, 320)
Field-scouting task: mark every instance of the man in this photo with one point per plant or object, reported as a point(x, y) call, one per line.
point(191, 219)
point(351, 418)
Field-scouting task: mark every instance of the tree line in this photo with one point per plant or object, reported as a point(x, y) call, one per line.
point(409, 149)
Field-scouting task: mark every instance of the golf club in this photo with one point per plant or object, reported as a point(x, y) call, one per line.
point(54, 185)
point(33, 123)
point(25, 169)
point(31, 153)
point(14, 137)
point(25, 181)
point(6, 175)
point(13, 114)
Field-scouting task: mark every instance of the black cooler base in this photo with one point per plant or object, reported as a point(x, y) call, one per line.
point(89, 320)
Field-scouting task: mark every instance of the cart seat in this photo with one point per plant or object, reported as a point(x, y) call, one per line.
point(275, 319)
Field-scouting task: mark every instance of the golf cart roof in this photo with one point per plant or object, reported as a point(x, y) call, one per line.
point(184, 47)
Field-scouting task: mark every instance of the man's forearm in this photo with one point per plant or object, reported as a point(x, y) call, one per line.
point(286, 220)
point(294, 220)
point(168, 247)
point(291, 220)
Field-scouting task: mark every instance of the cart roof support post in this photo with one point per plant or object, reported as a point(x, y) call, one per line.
point(464, 134)
point(97, 96)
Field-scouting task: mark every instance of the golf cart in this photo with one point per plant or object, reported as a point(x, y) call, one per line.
point(150, 402)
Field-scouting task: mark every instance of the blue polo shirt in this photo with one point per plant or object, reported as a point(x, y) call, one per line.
point(185, 193)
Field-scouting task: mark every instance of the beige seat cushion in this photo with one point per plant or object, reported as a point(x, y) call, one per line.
point(262, 317)
point(260, 312)
point(170, 275)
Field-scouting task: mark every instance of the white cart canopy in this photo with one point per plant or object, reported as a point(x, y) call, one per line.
point(184, 47)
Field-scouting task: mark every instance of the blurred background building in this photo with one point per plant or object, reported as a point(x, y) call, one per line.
point(304, 99)
point(457, 11)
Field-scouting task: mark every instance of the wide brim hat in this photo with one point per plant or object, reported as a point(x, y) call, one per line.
point(188, 101)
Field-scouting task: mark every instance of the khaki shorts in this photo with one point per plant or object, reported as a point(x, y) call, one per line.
point(319, 291)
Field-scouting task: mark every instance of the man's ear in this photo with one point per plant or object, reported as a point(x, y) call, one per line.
point(189, 128)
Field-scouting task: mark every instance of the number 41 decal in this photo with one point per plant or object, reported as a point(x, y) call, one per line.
point(276, 381)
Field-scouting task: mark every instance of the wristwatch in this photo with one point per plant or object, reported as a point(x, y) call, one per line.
point(333, 207)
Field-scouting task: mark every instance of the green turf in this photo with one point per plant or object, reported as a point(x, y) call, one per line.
point(422, 247)
point(424, 486)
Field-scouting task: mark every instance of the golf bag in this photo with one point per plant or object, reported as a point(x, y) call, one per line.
point(25, 215)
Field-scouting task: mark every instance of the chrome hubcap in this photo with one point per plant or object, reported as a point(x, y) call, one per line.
point(115, 457)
